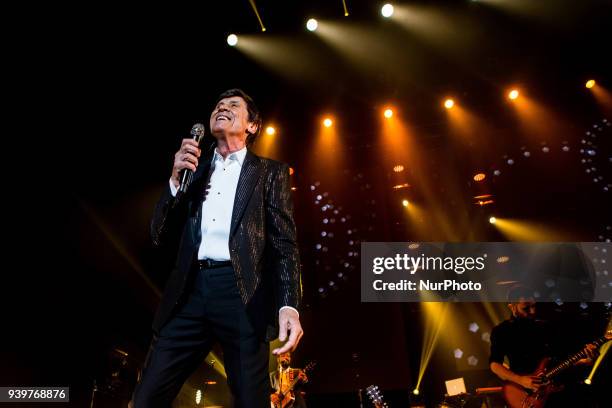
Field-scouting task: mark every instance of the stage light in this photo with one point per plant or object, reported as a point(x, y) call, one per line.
point(291, 171)
point(479, 177)
point(458, 353)
point(587, 381)
point(327, 122)
point(492, 220)
point(270, 131)
point(590, 83)
point(405, 203)
point(312, 24)
point(398, 168)
point(198, 397)
point(387, 10)
point(449, 103)
point(415, 391)
point(503, 259)
point(513, 94)
point(388, 113)
point(232, 39)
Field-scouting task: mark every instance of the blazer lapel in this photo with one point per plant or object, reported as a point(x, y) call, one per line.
point(249, 176)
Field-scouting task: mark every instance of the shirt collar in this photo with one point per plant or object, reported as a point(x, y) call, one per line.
point(237, 155)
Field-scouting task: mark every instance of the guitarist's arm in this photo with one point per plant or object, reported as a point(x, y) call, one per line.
point(529, 382)
point(499, 350)
point(302, 376)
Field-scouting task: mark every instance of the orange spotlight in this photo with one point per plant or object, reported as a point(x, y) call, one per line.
point(327, 122)
point(479, 177)
point(291, 171)
point(492, 220)
point(388, 113)
point(405, 203)
point(513, 94)
point(449, 103)
point(590, 83)
point(398, 168)
point(270, 131)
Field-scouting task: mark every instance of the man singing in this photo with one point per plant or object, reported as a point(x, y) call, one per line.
point(237, 266)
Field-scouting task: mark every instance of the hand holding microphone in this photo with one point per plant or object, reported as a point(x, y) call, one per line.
point(186, 160)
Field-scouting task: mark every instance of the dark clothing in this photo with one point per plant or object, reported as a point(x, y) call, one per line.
point(212, 312)
point(524, 341)
point(236, 305)
point(262, 241)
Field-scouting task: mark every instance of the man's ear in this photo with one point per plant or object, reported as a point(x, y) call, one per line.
point(252, 128)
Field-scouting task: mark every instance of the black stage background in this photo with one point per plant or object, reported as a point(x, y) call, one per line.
point(105, 91)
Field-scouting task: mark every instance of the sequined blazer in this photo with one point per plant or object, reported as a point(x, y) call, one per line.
point(262, 240)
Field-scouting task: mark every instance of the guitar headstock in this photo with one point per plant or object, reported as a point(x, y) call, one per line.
point(375, 396)
point(310, 366)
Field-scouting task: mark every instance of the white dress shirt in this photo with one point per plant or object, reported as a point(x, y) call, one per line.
point(218, 206)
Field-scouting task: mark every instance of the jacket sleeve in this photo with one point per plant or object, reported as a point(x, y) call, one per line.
point(168, 218)
point(282, 240)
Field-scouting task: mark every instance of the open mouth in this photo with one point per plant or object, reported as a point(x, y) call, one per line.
point(222, 117)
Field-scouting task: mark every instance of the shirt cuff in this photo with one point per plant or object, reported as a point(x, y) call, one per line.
point(173, 188)
point(289, 307)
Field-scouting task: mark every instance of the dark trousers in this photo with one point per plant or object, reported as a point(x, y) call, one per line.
point(212, 312)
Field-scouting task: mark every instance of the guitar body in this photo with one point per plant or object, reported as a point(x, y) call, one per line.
point(286, 402)
point(518, 397)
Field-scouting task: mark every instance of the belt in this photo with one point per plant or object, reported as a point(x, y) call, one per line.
point(210, 264)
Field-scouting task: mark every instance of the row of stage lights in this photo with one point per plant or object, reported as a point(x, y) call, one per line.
point(312, 24)
point(448, 104)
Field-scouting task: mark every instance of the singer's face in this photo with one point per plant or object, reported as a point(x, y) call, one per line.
point(231, 118)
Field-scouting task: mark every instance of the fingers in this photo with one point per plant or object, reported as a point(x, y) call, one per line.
point(189, 143)
point(190, 146)
point(186, 157)
point(295, 334)
point(283, 325)
point(591, 351)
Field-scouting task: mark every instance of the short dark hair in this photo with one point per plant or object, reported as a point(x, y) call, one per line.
point(254, 115)
point(518, 292)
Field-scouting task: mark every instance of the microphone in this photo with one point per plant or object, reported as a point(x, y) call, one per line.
point(197, 134)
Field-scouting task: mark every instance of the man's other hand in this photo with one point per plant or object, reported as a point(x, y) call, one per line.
point(289, 324)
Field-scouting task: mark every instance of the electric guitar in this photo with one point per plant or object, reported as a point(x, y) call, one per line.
point(279, 399)
point(376, 396)
point(518, 397)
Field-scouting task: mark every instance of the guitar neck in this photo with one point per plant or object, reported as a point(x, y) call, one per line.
point(572, 360)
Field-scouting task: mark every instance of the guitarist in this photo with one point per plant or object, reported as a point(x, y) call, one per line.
point(525, 341)
point(282, 381)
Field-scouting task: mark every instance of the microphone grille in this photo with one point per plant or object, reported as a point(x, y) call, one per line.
point(197, 131)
